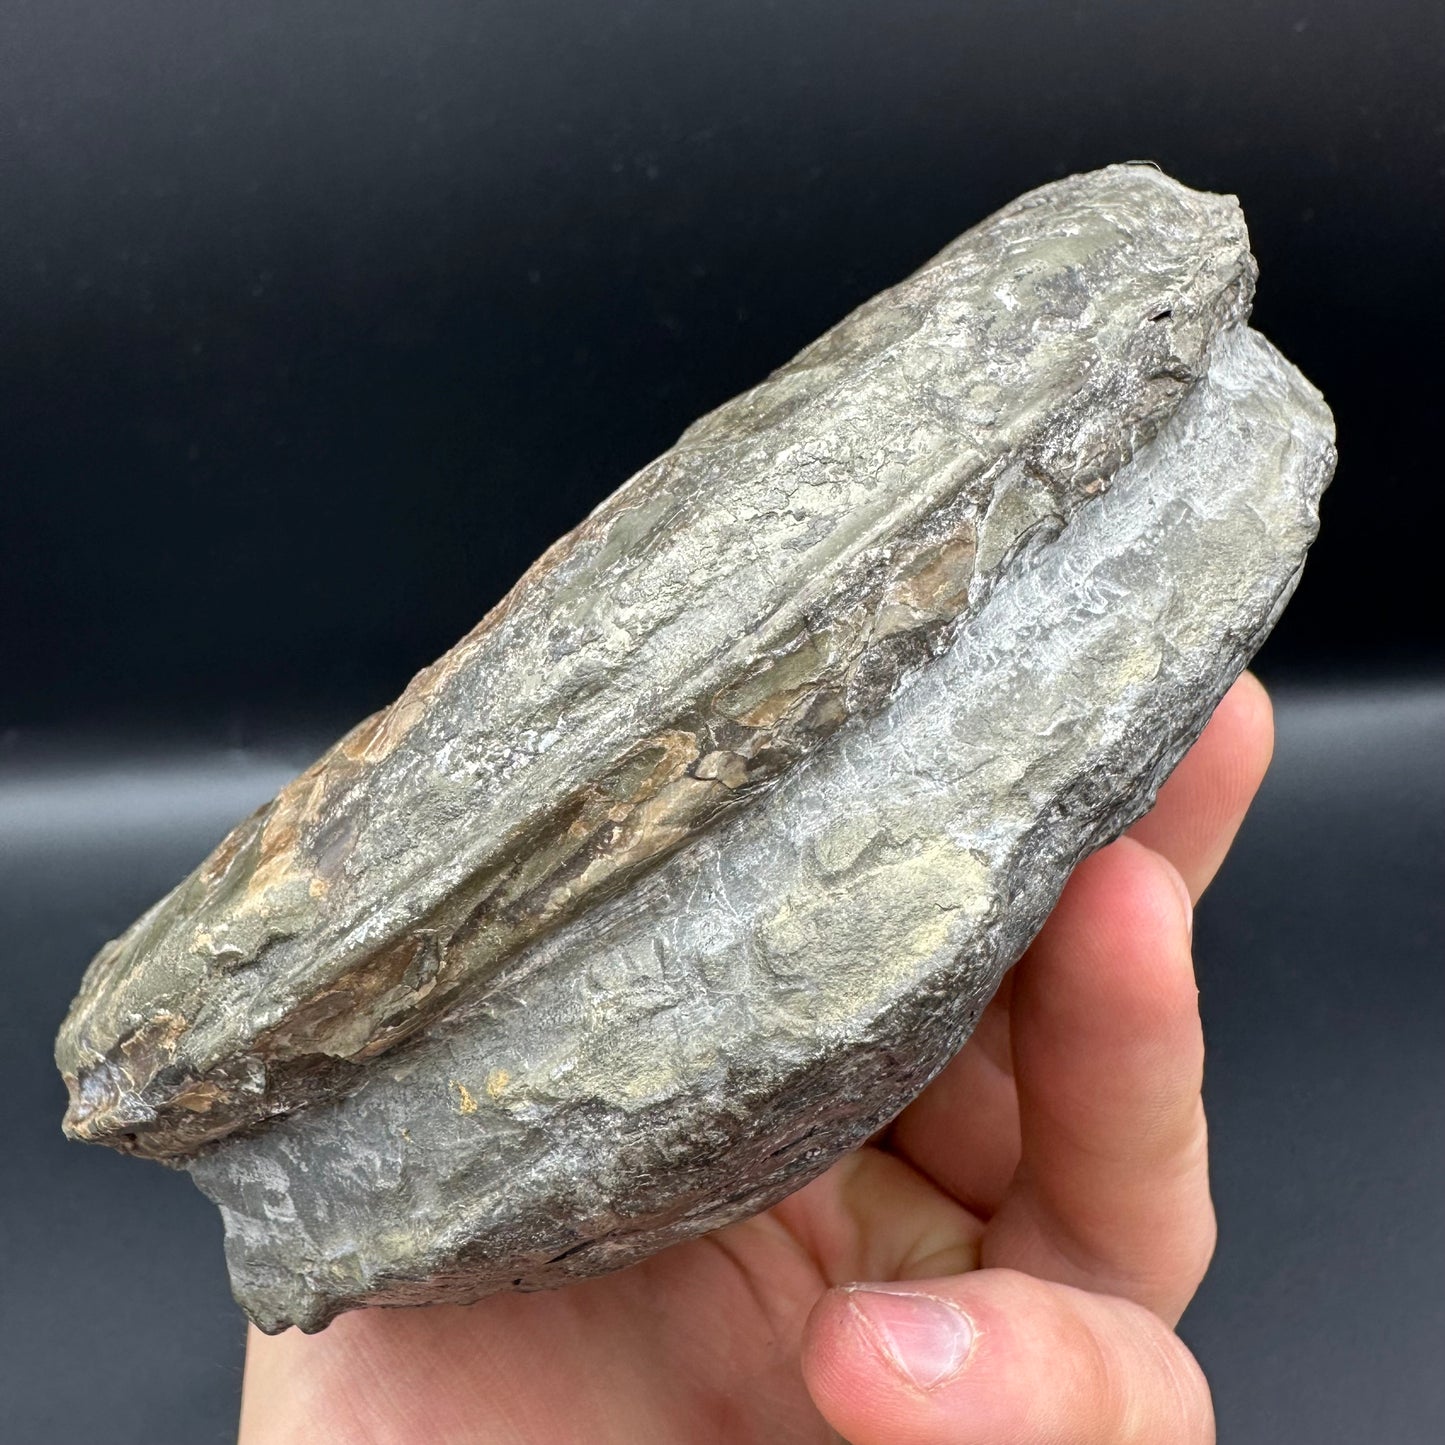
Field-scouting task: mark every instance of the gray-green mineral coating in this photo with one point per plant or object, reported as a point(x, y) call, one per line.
point(694, 1049)
point(781, 570)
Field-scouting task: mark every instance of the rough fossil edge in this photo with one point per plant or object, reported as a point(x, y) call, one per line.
point(696, 1049)
point(779, 570)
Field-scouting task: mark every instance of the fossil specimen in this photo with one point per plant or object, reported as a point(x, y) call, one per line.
point(699, 856)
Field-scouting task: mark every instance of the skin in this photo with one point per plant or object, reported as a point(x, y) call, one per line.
point(1005, 1265)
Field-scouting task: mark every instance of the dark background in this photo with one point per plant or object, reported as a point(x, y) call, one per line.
point(319, 320)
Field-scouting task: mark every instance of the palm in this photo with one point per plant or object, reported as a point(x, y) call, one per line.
point(1045, 1148)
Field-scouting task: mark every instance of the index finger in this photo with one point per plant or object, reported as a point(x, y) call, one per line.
point(1201, 805)
point(1112, 1191)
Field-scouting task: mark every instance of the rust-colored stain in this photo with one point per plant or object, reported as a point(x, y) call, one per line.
point(935, 581)
point(201, 1097)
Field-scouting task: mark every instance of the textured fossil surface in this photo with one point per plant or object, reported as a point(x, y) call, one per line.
point(700, 856)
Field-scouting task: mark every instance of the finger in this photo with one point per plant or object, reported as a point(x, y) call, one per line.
point(1200, 807)
point(1112, 1192)
point(872, 1216)
point(1000, 1358)
point(963, 1130)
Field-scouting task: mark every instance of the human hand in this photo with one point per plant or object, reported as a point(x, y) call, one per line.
point(1027, 1233)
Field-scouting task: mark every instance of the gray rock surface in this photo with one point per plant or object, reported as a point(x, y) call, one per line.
point(694, 1049)
point(701, 855)
point(780, 570)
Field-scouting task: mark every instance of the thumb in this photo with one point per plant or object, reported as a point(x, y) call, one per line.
point(1000, 1358)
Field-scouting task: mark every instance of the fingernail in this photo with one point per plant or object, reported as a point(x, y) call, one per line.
point(1182, 889)
point(924, 1338)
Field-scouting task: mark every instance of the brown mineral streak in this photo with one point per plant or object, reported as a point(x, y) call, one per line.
point(893, 585)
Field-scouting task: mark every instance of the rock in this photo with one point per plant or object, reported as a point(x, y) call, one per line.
point(781, 569)
point(704, 852)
